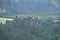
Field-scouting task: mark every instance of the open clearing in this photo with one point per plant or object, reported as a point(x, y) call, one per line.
point(3, 20)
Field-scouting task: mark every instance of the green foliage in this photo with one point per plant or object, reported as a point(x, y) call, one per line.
point(29, 29)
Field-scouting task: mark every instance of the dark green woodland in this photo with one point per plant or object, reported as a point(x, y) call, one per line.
point(30, 28)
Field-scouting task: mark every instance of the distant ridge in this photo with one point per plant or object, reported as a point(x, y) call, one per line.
point(13, 7)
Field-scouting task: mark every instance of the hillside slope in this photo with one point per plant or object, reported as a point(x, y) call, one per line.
point(11, 7)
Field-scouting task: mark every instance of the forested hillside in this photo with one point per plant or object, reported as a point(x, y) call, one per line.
point(30, 28)
point(39, 7)
point(29, 19)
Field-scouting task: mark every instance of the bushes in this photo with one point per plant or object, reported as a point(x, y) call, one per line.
point(25, 29)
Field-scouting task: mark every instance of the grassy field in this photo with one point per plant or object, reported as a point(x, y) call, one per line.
point(3, 20)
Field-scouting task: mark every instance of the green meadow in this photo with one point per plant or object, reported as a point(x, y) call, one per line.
point(3, 20)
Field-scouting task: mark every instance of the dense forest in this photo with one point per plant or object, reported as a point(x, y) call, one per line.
point(30, 28)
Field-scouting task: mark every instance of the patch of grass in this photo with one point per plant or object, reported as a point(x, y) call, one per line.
point(3, 20)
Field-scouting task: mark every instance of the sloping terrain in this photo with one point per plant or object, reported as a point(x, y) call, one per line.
point(11, 7)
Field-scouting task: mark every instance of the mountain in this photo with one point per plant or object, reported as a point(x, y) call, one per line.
point(11, 7)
